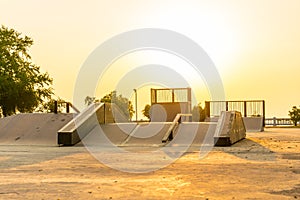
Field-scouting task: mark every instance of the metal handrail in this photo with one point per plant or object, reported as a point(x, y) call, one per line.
point(169, 134)
point(278, 121)
point(79, 119)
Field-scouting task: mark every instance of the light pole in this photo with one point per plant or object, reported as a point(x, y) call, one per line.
point(136, 114)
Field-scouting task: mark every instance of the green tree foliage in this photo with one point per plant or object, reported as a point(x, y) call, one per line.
point(89, 100)
point(146, 111)
point(295, 115)
point(198, 113)
point(122, 102)
point(22, 86)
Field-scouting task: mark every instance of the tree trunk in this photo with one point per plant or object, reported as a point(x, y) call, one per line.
point(295, 123)
point(4, 112)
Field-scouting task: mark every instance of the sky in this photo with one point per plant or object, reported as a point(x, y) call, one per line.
point(254, 44)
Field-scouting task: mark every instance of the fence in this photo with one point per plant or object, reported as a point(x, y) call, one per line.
point(170, 95)
point(278, 122)
point(172, 100)
point(250, 108)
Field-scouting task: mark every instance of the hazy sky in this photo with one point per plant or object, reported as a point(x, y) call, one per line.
point(255, 45)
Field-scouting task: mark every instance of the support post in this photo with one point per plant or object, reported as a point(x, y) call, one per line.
point(153, 96)
point(68, 107)
point(245, 108)
point(207, 109)
point(104, 111)
point(55, 107)
point(173, 96)
point(189, 99)
point(136, 111)
point(264, 113)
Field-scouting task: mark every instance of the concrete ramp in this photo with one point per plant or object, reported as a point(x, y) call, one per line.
point(115, 133)
point(147, 134)
point(195, 133)
point(187, 133)
point(79, 126)
point(230, 128)
point(151, 134)
point(32, 128)
point(87, 120)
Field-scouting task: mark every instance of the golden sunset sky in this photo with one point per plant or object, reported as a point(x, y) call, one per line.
point(255, 44)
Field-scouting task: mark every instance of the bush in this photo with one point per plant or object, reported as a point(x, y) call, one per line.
point(295, 115)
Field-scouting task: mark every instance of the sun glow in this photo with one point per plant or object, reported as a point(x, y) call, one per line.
point(114, 73)
point(254, 44)
point(140, 66)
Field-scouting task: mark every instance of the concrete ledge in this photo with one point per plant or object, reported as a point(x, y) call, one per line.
point(252, 124)
point(230, 128)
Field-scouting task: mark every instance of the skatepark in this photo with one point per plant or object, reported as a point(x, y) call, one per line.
point(50, 156)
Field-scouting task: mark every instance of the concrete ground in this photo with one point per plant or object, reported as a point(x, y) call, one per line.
point(266, 165)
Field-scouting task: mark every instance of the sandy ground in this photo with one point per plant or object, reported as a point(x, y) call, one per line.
point(264, 166)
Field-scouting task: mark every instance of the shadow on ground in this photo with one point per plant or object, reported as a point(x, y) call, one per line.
point(249, 149)
point(13, 156)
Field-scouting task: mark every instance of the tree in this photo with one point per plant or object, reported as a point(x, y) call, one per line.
point(122, 102)
point(198, 113)
point(146, 111)
point(22, 86)
point(295, 115)
point(89, 100)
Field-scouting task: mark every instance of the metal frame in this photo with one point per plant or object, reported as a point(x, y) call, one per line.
point(242, 102)
point(154, 96)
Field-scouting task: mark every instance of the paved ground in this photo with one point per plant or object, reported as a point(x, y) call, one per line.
point(263, 166)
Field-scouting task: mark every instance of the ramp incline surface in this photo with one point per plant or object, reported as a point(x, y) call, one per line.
point(32, 128)
point(79, 126)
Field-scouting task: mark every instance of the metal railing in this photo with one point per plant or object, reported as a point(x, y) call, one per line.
point(67, 104)
point(278, 122)
point(169, 134)
point(248, 108)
